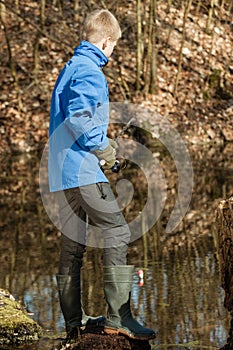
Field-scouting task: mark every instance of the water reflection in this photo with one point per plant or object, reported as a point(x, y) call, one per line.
point(181, 297)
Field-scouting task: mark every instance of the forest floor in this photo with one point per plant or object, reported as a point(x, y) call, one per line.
point(200, 110)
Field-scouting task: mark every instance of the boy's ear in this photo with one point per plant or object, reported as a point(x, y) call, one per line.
point(105, 43)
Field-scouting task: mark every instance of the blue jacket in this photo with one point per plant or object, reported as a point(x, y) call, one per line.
point(79, 118)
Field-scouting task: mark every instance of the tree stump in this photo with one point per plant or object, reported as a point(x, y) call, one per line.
point(105, 342)
point(224, 225)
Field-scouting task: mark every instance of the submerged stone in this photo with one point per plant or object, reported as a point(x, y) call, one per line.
point(15, 325)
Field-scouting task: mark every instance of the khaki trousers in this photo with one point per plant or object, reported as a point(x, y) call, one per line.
point(96, 204)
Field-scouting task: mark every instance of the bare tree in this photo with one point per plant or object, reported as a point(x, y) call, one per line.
point(198, 7)
point(146, 46)
point(12, 63)
point(17, 9)
point(210, 15)
point(76, 8)
point(230, 6)
point(37, 39)
point(186, 12)
point(3, 11)
point(169, 3)
point(153, 38)
point(150, 72)
point(59, 4)
point(139, 45)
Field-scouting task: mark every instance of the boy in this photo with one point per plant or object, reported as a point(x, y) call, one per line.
point(78, 141)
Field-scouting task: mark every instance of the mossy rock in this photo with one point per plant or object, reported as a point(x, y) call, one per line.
point(15, 325)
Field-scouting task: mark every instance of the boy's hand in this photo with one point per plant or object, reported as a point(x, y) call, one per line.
point(113, 143)
point(108, 155)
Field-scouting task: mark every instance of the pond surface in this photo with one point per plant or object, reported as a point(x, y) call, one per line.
point(181, 297)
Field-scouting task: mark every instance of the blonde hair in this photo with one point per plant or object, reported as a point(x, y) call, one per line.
point(101, 24)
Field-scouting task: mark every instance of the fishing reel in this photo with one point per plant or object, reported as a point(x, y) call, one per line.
point(115, 168)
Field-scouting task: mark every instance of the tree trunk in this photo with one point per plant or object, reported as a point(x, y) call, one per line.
point(150, 63)
point(11, 58)
point(224, 225)
point(186, 12)
point(153, 75)
point(59, 4)
point(37, 39)
point(107, 342)
point(210, 15)
point(198, 8)
point(230, 7)
point(17, 9)
point(147, 64)
point(76, 9)
point(222, 5)
point(169, 4)
point(139, 46)
point(3, 11)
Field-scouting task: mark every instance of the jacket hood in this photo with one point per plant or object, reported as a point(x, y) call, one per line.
point(93, 52)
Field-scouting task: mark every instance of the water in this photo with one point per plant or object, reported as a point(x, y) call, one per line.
point(181, 297)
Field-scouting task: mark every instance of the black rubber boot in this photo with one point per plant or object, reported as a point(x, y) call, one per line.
point(76, 320)
point(117, 289)
point(90, 322)
point(70, 302)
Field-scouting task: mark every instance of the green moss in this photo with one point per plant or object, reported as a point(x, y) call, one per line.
point(15, 325)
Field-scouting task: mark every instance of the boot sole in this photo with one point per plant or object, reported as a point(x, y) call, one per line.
point(114, 331)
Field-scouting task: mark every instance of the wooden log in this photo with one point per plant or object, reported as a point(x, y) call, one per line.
point(224, 225)
point(103, 341)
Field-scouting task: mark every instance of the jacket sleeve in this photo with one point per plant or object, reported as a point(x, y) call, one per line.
point(87, 111)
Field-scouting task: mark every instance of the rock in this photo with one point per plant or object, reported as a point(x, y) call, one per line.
point(15, 325)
